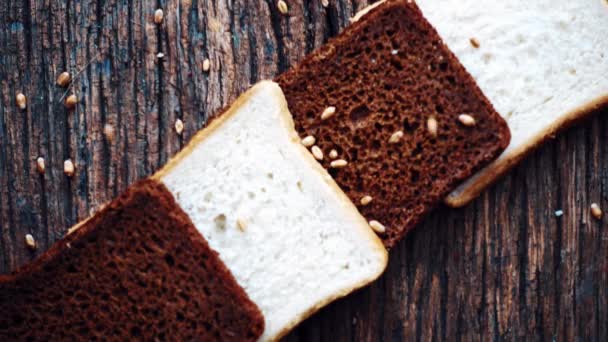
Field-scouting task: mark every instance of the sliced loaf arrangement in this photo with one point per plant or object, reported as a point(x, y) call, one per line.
point(239, 237)
point(542, 63)
point(397, 119)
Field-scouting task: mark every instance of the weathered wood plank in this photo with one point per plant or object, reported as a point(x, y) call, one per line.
point(504, 267)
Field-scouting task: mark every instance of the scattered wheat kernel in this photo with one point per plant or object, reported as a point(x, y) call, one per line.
point(338, 163)
point(71, 101)
point(282, 5)
point(377, 226)
point(64, 79)
point(40, 165)
point(108, 131)
point(365, 200)
point(158, 16)
point(241, 224)
point(596, 211)
point(68, 167)
point(395, 137)
point(309, 141)
point(431, 126)
point(328, 112)
point(179, 126)
point(316, 152)
point(466, 120)
point(475, 42)
point(29, 241)
point(333, 154)
point(324, 3)
point(160, 55)
point(206, 65)
point(21, 101)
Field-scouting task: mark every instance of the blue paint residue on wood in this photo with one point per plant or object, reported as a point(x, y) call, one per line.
point(16, 26)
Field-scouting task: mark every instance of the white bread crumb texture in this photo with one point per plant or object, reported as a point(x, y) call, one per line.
point(301, 244)
point(537, 61)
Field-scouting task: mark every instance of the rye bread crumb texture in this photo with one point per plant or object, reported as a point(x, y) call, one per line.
point(137, 270)
point(391, 72)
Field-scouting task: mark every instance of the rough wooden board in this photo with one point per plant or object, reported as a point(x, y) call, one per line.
point(503, 267)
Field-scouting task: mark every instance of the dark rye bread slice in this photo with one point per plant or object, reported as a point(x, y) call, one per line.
point(389, 72)
point(137, 270)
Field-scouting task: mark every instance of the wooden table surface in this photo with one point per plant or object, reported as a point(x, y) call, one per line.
point(501, 268)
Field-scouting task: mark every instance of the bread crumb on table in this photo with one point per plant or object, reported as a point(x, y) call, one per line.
point(40, 165)
point(64, 79)
point(158, 16)
point(70, 101)
point(282, 6)
point(30, 242)
point(21, 101)
point(179, 126)
point(596, 211)
point(68, 167)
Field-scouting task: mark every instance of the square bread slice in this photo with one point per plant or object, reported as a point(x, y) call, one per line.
point(542, 63)
point(137, 270)
point(394, 103)
point(280, 224)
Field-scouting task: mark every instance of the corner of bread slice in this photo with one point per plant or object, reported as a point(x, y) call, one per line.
point(281, 225)
point(562, 88)
point(469, 190)
point(362, 12)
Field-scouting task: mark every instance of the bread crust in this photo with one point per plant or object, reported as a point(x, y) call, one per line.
point(473, 187)
point(365, 10)
point(288, 123)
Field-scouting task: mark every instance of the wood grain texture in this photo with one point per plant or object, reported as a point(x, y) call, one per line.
point(504, 267)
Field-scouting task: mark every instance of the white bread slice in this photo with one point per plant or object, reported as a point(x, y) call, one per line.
point(542, 63)
point(301, 243)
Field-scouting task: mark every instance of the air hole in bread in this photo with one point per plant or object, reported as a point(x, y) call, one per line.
point(396, 64)
point(376, 144)
point(359, 113)
point(409, 127)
